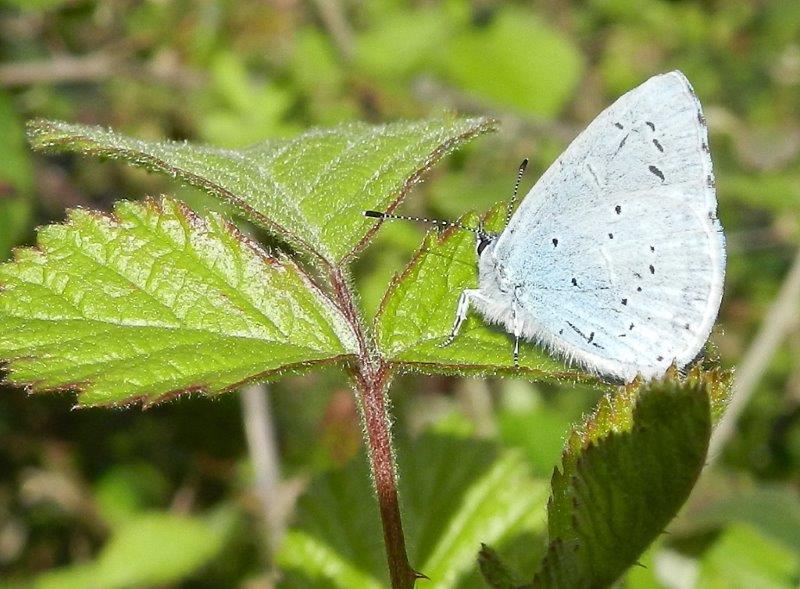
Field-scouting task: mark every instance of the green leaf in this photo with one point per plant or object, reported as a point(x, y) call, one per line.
point(402, 41)
point(771, 509)
point(744, 558)
point(153, 549)
point(494, 571)
point(457, 492)
point(16, 179)
point(155, 302)
point(321, 564)
point(517, 60)
point(417, 313)
point(310, 190)
point(625, 473)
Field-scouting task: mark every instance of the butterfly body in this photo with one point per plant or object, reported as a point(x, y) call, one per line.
point(615, 258)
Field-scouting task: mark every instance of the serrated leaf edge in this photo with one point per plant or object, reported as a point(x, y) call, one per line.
point(281, 262)
point(38, 129)
point(486, 125)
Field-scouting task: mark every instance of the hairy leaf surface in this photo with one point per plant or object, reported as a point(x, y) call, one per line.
point(310, 190)
point(156, 301)
point(625, 473)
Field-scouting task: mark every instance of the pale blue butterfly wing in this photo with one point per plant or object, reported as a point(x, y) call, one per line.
point(616, 257)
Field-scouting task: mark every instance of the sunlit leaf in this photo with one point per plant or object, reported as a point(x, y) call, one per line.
point(154, 302)
point(310, 190)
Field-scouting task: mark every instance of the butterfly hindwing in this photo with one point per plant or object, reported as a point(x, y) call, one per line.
point(616, 255)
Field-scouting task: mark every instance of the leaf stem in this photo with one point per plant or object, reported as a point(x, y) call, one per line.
point(371, 376)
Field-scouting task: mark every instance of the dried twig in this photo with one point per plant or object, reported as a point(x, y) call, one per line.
point(59, 69)
point(62, 69)
point(261, 443)
point(333, 17)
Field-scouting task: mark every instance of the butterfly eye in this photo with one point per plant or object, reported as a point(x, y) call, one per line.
point(482, 243)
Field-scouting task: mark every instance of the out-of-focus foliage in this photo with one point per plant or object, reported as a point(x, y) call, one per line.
point(16, 178)
point(234, 73)
point(458, 491)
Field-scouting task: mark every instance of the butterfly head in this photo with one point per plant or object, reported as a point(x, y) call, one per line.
point(483, 240)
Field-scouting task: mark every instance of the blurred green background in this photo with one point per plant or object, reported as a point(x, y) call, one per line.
point(166, 497)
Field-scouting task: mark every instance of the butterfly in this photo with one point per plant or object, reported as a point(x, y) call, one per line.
point(615, 259)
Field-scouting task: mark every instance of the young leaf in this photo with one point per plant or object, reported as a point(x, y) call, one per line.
point(155, 302)
point(417, 313)
point(625, 473)
point(310, 190)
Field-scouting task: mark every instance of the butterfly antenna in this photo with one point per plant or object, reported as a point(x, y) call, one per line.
point(520, 172)
point(436, 222)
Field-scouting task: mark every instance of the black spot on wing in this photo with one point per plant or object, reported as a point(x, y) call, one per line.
point(574, 282)
point(652, 269)
point(555, 241)
point(618, 209)
point(658, 145)
point(624, 301)
point(656, 171)
point(618, 125)
point(651, 125)
point(576, 330)
point(589, 340)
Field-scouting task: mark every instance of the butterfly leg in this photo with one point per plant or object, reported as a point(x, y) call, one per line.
point(517, 331)
point(461, 314)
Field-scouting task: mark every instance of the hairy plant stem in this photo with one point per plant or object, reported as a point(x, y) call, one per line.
point(371, 376)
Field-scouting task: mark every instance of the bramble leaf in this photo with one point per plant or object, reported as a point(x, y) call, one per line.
point(417, 313)
point(310, 190)
point(625, 473)
point(155, 302)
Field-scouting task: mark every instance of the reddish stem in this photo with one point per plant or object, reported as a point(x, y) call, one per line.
point(371, 375)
